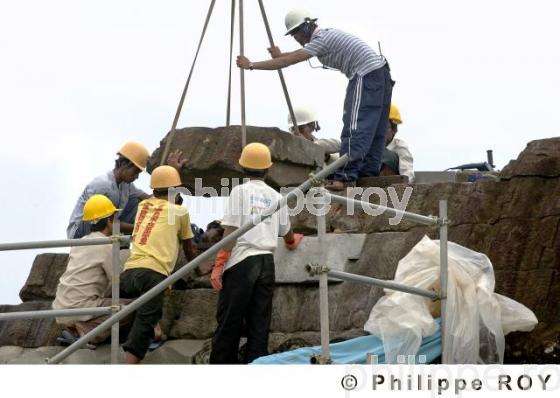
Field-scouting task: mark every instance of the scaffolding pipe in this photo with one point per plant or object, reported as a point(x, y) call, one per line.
point(443, 269)
point(323, 281)
point(231, 33)
point(426, 220)
point(383, 284)
point(12, 316)
point(242, 76)
point(115, 289)
point(207, 255)
point(60, 243)
point(280, 73)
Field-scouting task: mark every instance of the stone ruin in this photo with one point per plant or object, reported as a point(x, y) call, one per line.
point(515, 221)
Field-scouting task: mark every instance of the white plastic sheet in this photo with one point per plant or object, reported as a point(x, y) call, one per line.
point(477, 318)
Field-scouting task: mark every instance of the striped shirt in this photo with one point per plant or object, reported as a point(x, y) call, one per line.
point(343, 51)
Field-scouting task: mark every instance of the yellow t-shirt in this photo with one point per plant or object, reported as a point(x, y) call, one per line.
point(157, 235)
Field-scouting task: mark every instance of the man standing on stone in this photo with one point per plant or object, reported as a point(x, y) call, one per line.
point(161, 227)
point(368, 95)
point(86, 282)
point(244, 270)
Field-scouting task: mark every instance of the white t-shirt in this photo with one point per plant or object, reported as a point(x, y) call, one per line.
point(245, 202)
point(400, 147)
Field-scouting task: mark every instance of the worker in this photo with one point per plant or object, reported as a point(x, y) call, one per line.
point(397, 159)
point(118, 186)
point(368, 95)
point(244, 270)
point(86, 282)
point(160, 227)
point(307, 124)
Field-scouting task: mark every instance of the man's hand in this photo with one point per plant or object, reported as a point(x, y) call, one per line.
point(216, 276)
point(176, 160)
point(294, 243)
point(275, 52)
point(243, 62)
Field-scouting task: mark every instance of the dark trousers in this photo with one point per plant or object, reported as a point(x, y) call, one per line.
point(134, 283)
point(246, 296)
point(365, 118)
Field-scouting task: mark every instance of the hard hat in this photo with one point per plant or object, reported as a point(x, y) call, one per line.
point(295, 18)
point(255, 156)
point(304, 115)
point(395, 115)
point(165, 177)
point(136, 153)
point(98, 207)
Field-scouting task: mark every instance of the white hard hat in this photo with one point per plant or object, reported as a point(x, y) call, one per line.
point(304, 115)
point(295, 18)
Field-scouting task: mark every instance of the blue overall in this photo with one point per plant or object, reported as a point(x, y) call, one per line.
point(365, 118)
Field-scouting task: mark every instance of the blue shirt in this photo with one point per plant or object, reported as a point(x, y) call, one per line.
point(105, 184)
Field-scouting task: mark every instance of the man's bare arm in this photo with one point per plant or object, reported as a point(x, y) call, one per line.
point(280, 62)
point(228, 231)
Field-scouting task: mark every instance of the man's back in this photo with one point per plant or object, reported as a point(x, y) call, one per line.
point(156, 237)
point(344, 52)
point(246, 201)
point(87, 278)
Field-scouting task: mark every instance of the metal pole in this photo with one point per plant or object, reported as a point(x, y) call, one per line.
point(280, 73)
point(69, 312)
point(231, 33)
point(184, 93)
point(45, 244)
point(427, 220)
point(383, 284)
point(115, 290)
point(443, 263)
point(323, 281)
point(207, 255)
point(242, 76)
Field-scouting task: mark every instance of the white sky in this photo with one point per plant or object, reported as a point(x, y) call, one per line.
point(80, 78)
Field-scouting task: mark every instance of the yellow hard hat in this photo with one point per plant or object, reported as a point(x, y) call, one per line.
point(98, 207)
point(165, 177)
point(136, 153)
point(255, 156)
point(395, 114)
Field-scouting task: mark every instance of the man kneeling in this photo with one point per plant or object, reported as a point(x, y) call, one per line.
point(86, 283)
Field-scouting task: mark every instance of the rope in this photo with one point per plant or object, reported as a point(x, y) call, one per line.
point(242, 75)
point(232, 25)
point(280, 74)
point(182, 100)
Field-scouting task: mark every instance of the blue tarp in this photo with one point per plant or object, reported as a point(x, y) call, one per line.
point(353, 351)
